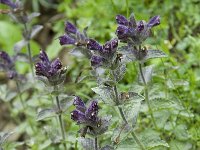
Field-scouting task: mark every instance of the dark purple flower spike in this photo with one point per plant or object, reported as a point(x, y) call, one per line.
point(154, 21)
point(9, 3)
point(87, 116)
point(47, 68)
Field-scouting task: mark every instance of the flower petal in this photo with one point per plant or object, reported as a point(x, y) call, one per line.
point(69, 27)
point(80, 105)
point(154, 21)
point(110, 46)
point(78, 116)
point(66, 40)
point(122, 20)
point(92, 111)
point(93, 45)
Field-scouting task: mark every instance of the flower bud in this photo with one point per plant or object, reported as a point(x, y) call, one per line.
point(69, 27)
point(154, 21)
point(66, 40)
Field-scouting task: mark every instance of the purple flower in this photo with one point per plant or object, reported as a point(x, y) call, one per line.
point(47, 68)
point(110, 46)
point(72, 36)
point(154, 21)
point(140, 26)
point(133, 32)
point(96, 61)
point(7, 65)
point(70, 28)
point(122, 20)
point(93, 45)
point(9, 3)
point(122, 32)
point(86, 116)
point(6, 58)
point(66, 40)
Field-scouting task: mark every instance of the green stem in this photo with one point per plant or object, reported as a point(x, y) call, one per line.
point(146, 94)
point(61, 123)
point(29, 50)
point(124, 118)
point(95, 143)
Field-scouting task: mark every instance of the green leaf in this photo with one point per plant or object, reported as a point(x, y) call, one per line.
point(177, 145)
point(161, 103)
point(87, 143)
point(46, 113)
point(121, 133)
point(119, 72)
point(151, 139)
point(181, 132)
point(172, 84)
point(154, 54)
point(35, 30)
point(105, 93)
point(65, 103)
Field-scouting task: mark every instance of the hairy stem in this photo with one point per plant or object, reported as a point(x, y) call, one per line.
point(29, 50)
point(146, 94)
point(95, 143)
point(61, 122)
point(124, 118)
point(119, 108)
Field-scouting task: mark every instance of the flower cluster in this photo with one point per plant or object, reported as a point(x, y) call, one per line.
point(132, 32)
point(7, 65)
point(88, 118)
point(83, 115)
point(72, 36)
point(51, 70)
point(104, 54)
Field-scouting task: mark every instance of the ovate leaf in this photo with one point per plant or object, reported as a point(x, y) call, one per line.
point(154, 54)
point(46, 113)
point(87, 143)
point(105, 93)
point(119, 72)
point(35, 30)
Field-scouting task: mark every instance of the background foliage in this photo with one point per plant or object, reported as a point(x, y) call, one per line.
point(177, 77)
